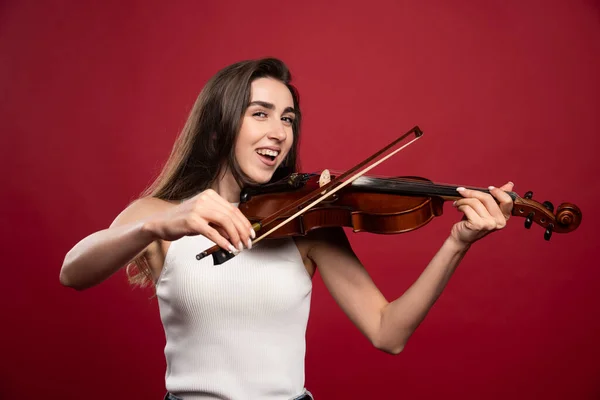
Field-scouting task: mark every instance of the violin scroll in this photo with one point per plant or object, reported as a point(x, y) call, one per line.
point(566, 219)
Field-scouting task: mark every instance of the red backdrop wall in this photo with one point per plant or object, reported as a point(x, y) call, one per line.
point(94, 95)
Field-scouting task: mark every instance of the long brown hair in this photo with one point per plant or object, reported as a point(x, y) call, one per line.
point(208, 139)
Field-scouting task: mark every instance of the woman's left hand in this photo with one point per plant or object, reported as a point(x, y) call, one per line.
point(483, 214)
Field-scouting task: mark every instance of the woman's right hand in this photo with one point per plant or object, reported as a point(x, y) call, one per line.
point(206, 214)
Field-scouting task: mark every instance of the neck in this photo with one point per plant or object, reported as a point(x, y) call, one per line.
point(416, 187)
point(226, 186)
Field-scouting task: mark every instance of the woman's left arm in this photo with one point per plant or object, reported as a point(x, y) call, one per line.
point(387, 325)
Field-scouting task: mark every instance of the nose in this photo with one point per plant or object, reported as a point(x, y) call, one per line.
point(278, 131)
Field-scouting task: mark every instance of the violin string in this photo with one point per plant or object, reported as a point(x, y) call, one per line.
point(425, 188)
point(412, 184)
point(445, 188)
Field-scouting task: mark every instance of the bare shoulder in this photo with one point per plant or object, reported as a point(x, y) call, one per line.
point(322, 237)
point(140, 210)
point(320, 243)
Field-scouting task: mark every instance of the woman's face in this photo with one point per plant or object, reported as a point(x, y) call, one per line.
point(266, 135)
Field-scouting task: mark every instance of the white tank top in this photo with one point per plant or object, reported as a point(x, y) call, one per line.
point(235, 330)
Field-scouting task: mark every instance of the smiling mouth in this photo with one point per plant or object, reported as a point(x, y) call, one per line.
point(267, 155)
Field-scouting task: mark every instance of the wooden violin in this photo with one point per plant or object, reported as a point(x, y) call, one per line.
point(302, 202)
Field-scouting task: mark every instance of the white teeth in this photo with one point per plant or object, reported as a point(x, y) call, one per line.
point(267, 152)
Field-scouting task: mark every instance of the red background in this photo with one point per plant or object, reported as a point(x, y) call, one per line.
point(94, 95)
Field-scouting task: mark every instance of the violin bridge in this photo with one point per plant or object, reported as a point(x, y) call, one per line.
point(324, 179)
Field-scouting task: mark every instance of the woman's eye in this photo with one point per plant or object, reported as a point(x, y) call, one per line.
point(288, 120)
point(259, 114)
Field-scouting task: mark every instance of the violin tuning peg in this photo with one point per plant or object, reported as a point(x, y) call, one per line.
point(529, 220)
point(548, 206)
point(528, 195)
point(548, 232)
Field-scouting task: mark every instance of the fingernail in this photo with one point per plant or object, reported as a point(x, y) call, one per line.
point(249, 243)
point(491, 187)
point(454, 204)
point(232, 249)
point(240, 246)
point(460, 189)
point(252, 233)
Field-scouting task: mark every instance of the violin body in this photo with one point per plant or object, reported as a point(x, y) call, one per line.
point(362, 207)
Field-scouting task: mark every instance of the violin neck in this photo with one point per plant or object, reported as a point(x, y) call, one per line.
point(414, 186)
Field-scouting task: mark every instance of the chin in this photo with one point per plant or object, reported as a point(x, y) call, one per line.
point(261, 177)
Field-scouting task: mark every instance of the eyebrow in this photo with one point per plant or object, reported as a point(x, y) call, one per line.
point(271, 106)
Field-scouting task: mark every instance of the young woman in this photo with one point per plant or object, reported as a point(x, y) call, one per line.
point(237, 331)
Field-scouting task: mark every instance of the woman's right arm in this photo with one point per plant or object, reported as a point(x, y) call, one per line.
point(141, 227)
point(99, 255)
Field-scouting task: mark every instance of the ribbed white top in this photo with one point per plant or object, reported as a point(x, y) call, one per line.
point(235, 330)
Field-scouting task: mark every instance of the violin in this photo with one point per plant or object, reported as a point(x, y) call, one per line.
point(380, 205)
